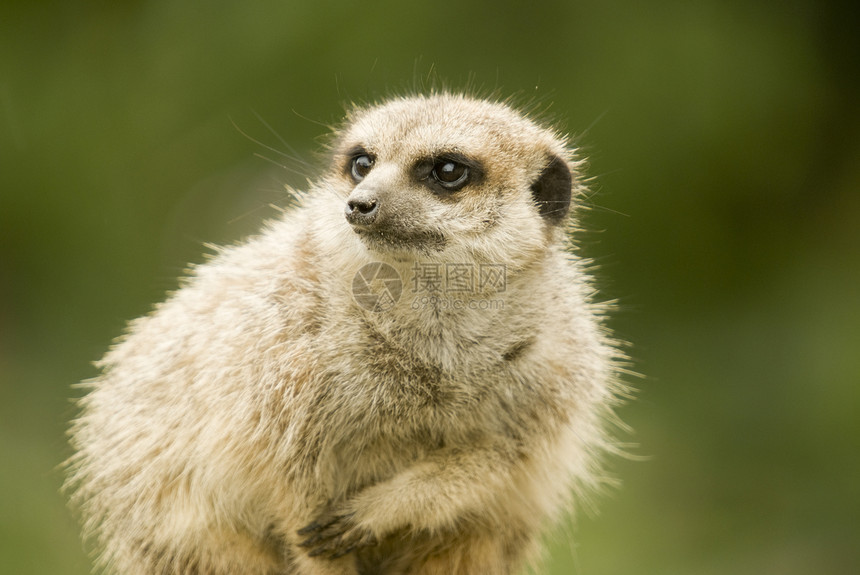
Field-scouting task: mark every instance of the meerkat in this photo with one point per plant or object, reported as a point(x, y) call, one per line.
point(407, 373)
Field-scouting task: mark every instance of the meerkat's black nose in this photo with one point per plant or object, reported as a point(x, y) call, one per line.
point(361, 208)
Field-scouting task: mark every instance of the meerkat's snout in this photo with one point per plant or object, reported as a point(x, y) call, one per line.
point(362, 207)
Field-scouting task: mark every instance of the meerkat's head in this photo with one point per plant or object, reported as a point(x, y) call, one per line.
point(432, 174)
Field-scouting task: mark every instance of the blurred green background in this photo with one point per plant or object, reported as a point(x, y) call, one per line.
point(725, 142)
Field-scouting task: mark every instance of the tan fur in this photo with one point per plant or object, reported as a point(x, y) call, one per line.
point(260, 399)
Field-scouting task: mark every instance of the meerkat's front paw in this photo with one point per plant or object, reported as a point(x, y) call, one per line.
point(334, 534)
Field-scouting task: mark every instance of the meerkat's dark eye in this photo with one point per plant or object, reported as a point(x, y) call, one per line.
point(361, 166)
point(451, 175)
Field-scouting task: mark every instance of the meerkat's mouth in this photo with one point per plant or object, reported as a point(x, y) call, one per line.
point(386, 239)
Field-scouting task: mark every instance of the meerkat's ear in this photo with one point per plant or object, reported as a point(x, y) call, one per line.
point(552, 190)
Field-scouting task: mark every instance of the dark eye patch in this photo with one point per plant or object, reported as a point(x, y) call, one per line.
point(359, 163)
point(448, 172)
point(451, 175)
